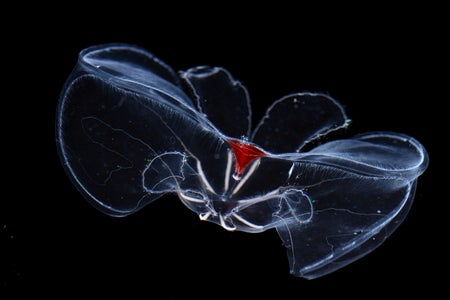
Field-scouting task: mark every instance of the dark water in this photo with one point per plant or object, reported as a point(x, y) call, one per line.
point(51, 237)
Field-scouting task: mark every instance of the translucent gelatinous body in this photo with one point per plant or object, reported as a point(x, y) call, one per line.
point(130, 129)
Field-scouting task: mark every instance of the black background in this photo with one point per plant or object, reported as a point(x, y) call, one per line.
point(51, 239)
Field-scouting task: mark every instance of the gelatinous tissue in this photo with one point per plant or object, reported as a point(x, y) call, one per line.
point(130, 129)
